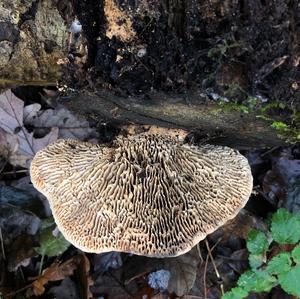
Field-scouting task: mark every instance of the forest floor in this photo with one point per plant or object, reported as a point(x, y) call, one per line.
point(36, 260)
point(234, 52)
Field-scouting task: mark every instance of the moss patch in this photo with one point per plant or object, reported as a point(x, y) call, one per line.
point(282, 117)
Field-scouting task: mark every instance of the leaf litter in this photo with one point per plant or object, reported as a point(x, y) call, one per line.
point(30, 244)
point(23, 145)
point(19, 145)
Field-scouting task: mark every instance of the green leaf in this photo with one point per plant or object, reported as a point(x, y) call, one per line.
point(289, 281)
point(256, 281)
point(51, 245)
point(285, 227)
point(257, 242)
point(256, 260)
point(235, 293)
point(280, 263)
point(296, 254)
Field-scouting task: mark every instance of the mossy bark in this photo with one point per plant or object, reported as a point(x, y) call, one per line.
point(34, 40)
point(189, 112)
point(33, 37)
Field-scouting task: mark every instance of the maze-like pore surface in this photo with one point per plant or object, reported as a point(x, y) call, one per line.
point(146, 194)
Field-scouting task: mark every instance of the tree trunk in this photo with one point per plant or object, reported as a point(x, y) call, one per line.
point(161, 63)
point(33, 39)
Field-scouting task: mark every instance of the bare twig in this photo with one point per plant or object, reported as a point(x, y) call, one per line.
point(204, 277)
point(215, 245)
point(15, 171)
point(41, 265)
point(199, 253)
point(2, 244)
point(12, 294)
point(271, 150)
point(206, 263)
point(214, 265)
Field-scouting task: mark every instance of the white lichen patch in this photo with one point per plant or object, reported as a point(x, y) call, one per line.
point(50, 25)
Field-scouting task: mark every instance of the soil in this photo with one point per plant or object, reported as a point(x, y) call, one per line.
point(234, 48)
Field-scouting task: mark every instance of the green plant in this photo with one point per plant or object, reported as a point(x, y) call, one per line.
point(274, 258)
point(50, 245)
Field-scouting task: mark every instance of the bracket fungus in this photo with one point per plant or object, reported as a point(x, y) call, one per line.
point(147, 194)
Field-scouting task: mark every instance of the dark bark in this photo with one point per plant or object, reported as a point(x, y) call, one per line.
point(33, 37)
point(232, 128)
point(230, 48)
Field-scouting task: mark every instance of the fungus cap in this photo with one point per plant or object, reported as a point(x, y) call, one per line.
point(147, 194)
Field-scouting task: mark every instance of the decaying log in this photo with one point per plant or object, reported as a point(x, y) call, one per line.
point(34, 40)
point(190, 112)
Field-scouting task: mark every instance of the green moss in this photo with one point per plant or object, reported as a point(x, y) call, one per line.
point(279, 125)
point(287, 129)
point(274, 105)
point(228, 107)
point(246, 107)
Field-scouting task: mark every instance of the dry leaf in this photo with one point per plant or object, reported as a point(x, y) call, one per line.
point(8, 144)
point(14, 222)
point(108, 285)
point(281, 183)
point(104, 261)
point(85, 278)
point(57, 271)
point(25, 184)
point(69, 125)
point(31, 111)
point(11, 122)
point(239, 227)
point(21, 251)
point(183, 270)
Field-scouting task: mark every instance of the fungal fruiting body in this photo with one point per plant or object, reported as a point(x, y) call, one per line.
point(146, 194)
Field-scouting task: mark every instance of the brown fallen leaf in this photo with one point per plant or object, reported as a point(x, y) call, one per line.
point(105, 261)
point(183, 270)
point(281, 183)
point(85, 278)
point(110, 285)
point(11, 122)
point(21, 251)
point(57, 271)
point(14, 221)
point(239, 227)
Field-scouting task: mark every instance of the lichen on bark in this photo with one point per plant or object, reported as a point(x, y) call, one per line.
point(36, 32)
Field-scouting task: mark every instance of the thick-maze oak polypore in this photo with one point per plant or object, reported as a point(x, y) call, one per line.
point(146, 194)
